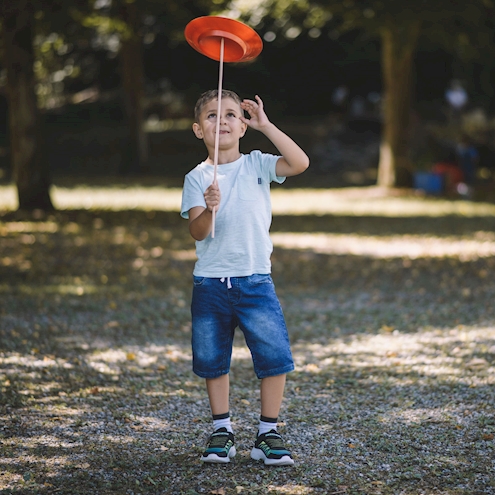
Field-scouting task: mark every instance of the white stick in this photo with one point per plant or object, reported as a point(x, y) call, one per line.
point(217, 131)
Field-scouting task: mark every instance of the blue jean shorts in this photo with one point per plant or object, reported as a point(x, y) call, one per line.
point(219, 306)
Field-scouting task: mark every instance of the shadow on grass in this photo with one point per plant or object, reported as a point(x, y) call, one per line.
point(442, 226)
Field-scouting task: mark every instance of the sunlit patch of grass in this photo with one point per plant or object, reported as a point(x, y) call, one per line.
point(371, 201)
point(394, 246)
point(289, 490)
point(449, 354)
point(108, 198)
point(362, 201)
point(21, 227)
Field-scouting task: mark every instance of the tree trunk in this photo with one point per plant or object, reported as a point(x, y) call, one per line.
point(29, 169)
point(133, 86)
point(398, 47)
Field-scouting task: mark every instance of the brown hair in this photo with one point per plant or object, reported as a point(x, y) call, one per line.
point(210, 95)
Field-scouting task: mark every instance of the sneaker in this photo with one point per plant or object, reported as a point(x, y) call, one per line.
point(270, 448)
point(220, 447)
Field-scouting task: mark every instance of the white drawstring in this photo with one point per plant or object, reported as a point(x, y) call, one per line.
point(229, 285)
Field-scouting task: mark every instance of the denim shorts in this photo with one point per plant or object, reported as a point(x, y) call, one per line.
point(219, 306)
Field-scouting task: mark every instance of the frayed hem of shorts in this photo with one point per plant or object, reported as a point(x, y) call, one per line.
point(276, 372)
point(208, 375)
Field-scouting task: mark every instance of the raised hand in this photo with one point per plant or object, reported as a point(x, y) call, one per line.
point(258, 118)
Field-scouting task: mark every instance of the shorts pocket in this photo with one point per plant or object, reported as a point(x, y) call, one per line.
point(258, 279)
point(199, 281)
point(248, 187)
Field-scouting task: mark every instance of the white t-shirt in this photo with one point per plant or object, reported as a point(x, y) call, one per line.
point(242, 245)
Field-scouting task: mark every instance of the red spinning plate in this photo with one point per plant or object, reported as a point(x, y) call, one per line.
point(241, 43)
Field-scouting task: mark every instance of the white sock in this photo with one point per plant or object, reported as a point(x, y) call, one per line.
point(266, 426)
point(222, 423)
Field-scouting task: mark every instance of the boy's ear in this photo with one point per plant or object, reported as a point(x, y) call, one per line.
point(244, 130)
point(197, 130)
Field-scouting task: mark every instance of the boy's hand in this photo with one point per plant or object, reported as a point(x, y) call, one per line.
point(212, 197)
point(258, 118)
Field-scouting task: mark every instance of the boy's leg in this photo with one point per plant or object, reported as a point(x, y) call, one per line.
point(269, 446)
point(213, 325)
point(220, 448)
point(218, 394)
point(272, 393)
point(262, 321)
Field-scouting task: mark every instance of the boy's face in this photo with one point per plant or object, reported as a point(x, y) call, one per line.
point(231, 126)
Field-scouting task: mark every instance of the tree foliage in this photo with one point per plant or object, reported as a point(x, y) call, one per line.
point(38, 40)
point(453, 24)
point(466, 28)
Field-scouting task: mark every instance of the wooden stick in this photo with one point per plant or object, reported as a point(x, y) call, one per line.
point(217, 131)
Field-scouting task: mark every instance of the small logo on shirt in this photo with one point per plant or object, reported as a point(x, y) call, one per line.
point(259, 180)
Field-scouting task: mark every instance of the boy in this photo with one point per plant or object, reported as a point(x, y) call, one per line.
point(232, 282)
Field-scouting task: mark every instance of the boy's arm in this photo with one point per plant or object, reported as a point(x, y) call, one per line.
point(200, 218)
point(294, 160)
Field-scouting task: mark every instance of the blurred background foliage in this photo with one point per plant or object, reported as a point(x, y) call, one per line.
point(125, 64)
point(330, 41)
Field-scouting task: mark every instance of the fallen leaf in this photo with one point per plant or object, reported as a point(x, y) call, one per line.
point(218, 491)
point(312, 368)
point(130, 356)
point(476, 363)
point(150, 480)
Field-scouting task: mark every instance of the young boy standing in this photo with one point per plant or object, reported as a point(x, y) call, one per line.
point(232, 286)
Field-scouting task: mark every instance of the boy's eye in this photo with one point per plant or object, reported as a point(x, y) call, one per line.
point(231, 114)
point(211, 115)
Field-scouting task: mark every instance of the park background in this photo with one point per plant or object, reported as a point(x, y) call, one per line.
point(387, 287)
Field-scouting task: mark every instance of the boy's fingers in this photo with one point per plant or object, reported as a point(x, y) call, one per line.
point(249, 103)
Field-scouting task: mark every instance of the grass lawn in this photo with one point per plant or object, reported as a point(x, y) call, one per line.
point(389, 300)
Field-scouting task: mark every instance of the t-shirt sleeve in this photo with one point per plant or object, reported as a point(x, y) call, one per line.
point(277, 178)
point(192, 195)
point(268, 164)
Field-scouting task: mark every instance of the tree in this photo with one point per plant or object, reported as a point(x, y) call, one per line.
point(133, 85)
point(30, 170)
point(19, 20)
point(454, 24)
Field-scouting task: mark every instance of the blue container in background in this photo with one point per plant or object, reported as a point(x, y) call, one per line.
point(429, 182)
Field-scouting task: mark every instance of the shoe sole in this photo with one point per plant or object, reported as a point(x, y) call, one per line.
point(215, 459)
point(259, 455)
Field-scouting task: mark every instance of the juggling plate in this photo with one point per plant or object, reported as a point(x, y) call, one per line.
point(241, 43)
